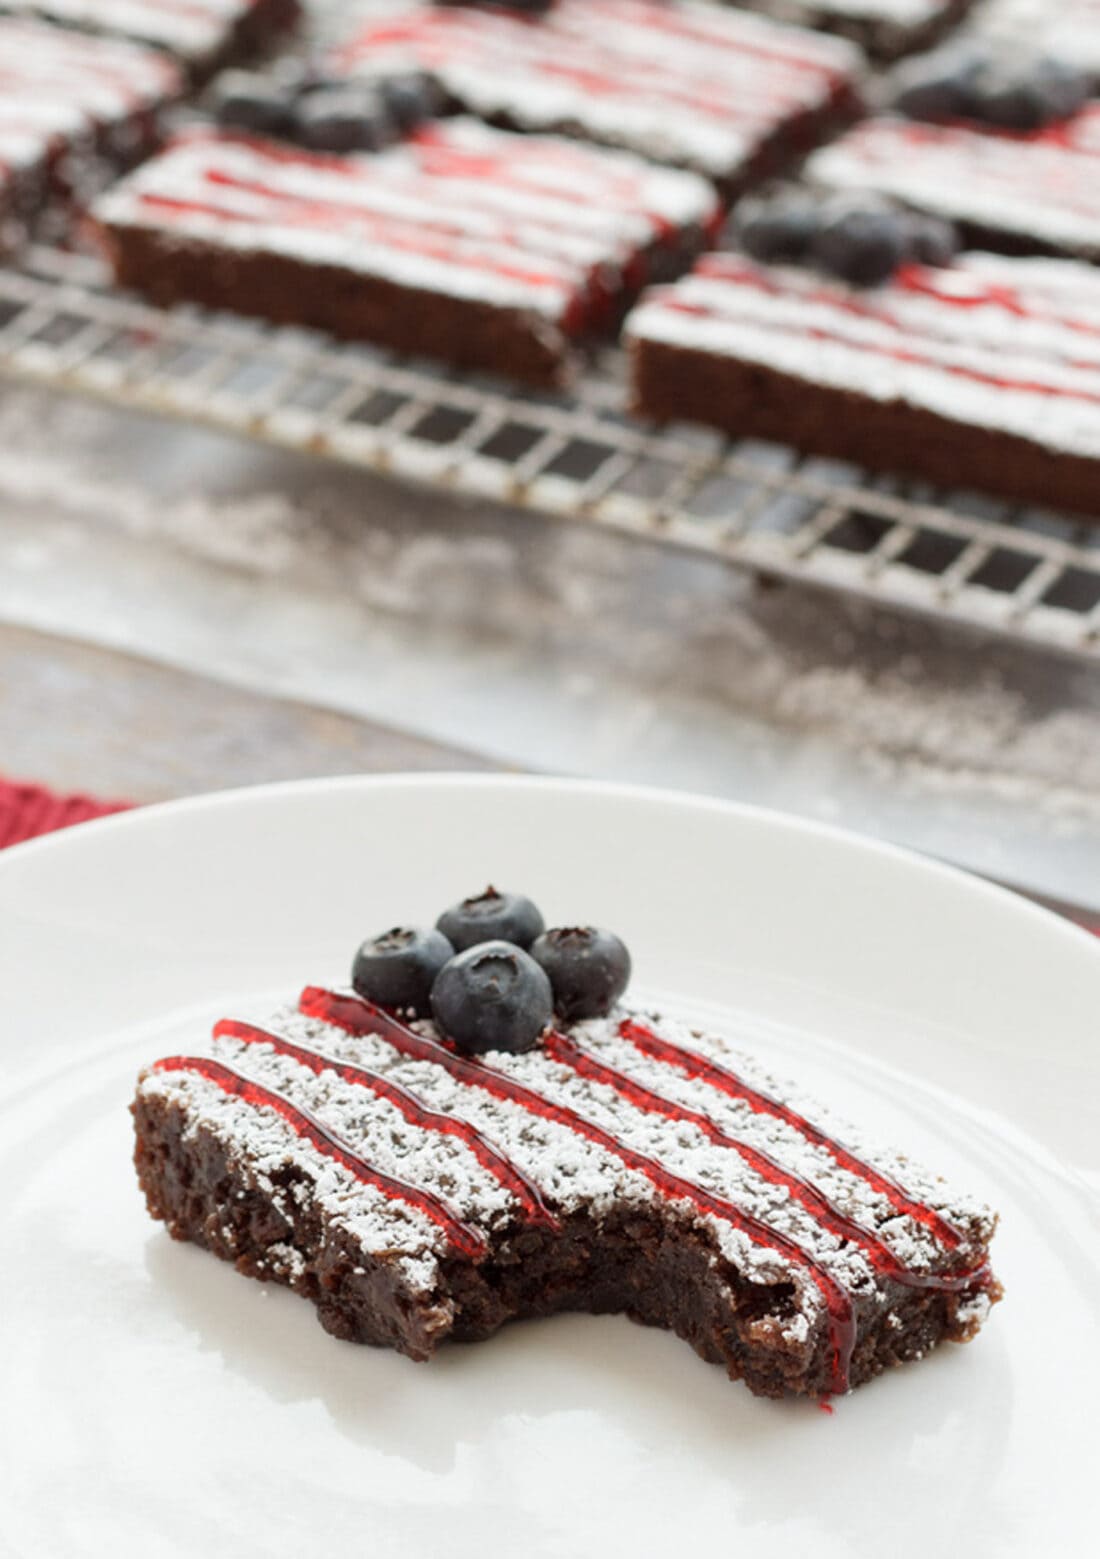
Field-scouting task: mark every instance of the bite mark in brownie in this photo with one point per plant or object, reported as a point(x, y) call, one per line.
point(624, 1165)
point(488, 250)
point(984, 373)
point(202, 34)
point(730, 95)
point(1017, 192)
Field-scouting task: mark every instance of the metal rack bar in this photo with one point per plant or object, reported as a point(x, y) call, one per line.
point(577, 456)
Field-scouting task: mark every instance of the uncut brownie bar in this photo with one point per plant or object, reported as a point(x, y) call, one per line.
point(202, 34)
point(415, 1194)
point(1034, 192)
point(488, 250)
point(729, 95)
point(66, 101)
point(885, 29)
point(985, 373)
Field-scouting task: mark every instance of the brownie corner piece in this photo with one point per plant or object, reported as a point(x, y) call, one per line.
point(416, 1194)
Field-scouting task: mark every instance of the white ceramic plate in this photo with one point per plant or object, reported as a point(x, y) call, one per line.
point(155, 1403)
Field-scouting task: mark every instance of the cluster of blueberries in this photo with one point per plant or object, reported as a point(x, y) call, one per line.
point(862, 239)
point(995, 84)
point(298, 103)
point(490, 974)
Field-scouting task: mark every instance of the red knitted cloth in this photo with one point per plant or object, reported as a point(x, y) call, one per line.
point(29, 810)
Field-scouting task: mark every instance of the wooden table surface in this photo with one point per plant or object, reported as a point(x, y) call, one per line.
point(76, 717)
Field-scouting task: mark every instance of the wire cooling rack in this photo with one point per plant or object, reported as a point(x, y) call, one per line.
point(1030, 576)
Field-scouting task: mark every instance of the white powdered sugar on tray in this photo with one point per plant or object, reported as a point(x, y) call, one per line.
point(1042, 187)
point(458, 209)
point(693, 84)
point(1012, 345)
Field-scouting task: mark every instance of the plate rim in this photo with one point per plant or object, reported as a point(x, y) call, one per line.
point(153, 814)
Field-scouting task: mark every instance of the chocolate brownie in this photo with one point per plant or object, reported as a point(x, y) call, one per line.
point(885, 29)
point(725, 93)
point(984, 373)
point(201, 33)
point(66, 101)
point(624, 1164)
point(488, 250)
point(1031, 192)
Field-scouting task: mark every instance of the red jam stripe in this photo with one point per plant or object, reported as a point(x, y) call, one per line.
point(361, 1018)
point(885, 1263)
point(728, 1082)
point(488, 1155)
point(465, 1239)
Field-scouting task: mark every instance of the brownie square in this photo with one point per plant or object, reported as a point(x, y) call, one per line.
point(627, 1164)
point(202, 34)
point(489, 250)
point(985, 373)
point(1033, 192)
point(728, 94)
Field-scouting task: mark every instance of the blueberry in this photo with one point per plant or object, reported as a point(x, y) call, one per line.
point(589, 970)
point(398, 968)
point(247, 102)
point(861, 242)
point(928, 240)
point(492, 997)
point(1021, 92)
point(352, 118)
point(941, 85)
point(412, 97)
point(491, 916)
point(778, 227)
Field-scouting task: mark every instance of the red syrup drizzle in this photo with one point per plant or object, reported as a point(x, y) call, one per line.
point(413, 1109)
point(881, 1257)
point(465, 1239)
point(760, 283)
point(359, 1017)
point(728, 1082)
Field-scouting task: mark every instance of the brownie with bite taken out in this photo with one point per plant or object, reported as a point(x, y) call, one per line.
point(482, 1129)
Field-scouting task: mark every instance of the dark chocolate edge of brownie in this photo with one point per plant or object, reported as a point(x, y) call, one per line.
point(747, 399)
point(659, 1271)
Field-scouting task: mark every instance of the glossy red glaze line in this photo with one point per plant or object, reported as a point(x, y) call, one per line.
point(359, 1017)
point(882, 1259)
point(413, 1109)
point(465, 1239)
point(728, 1082)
